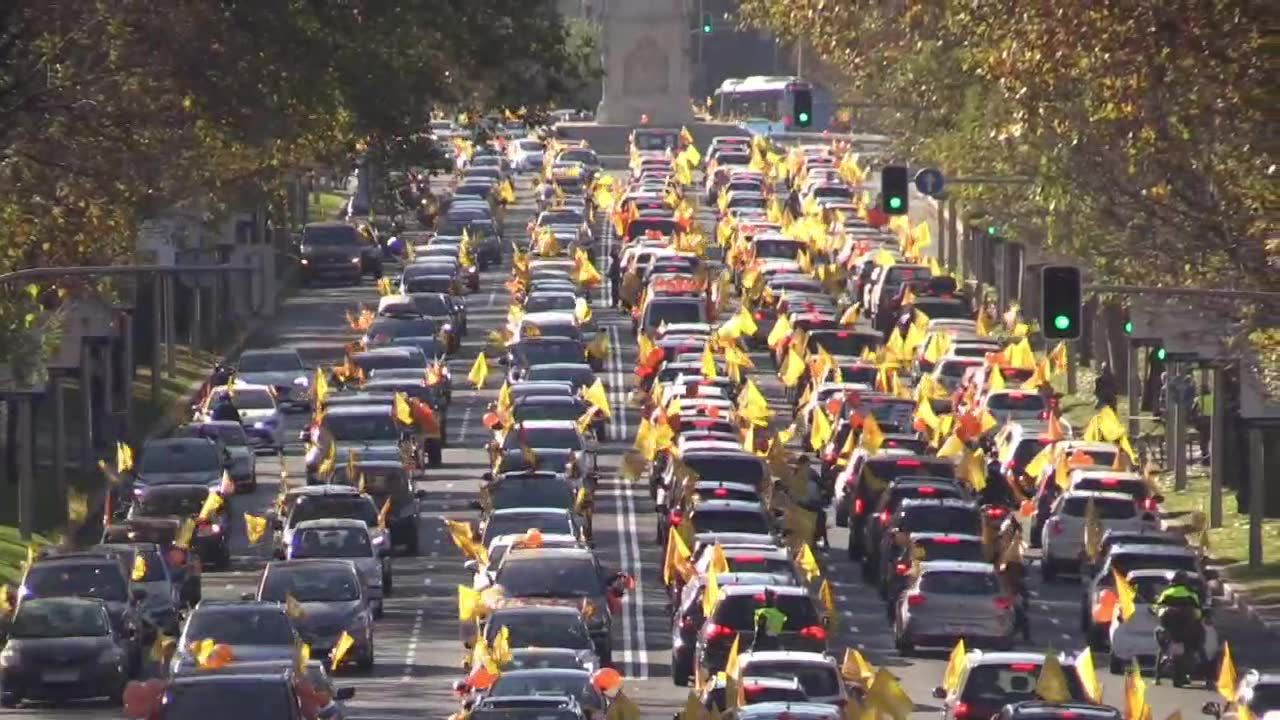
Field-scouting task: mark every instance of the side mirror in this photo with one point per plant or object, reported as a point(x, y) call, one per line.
point(940, 693)
point(1212, 708)
point(344, 693)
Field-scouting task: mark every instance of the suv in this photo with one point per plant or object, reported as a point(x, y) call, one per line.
point(315, 502)
point(331, 249)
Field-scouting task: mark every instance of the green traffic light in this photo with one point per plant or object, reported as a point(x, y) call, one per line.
point(1128, 327)
point(991, 229)
point(1061, 322)
point(895, 202)
point(1161, 354)
point(804, 117)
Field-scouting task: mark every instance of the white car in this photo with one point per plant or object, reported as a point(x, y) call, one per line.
point(818, 673)
point(482, 574)
point(1135, 638)
point(348, 539)
point(1062, 538)
point(261, 415)
point(526, 155)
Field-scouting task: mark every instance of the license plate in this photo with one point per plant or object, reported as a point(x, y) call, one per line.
point(60, 676)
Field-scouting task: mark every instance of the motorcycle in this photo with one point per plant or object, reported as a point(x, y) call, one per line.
point(1180, 639)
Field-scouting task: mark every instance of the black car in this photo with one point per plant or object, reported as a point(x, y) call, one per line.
point(184, 566)
point(903, 488)
point(63, 648)
point(242, 690)
point(386, 480)
point(212, 537)
point(951, 516)
point(331, 250)
point(93, 576)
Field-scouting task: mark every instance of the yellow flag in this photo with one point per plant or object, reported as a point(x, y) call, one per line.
point(212, 504)
point(956, 665)
point(468, 603)
point(711, 594)
point(139, 568)
point(887, 696)
point(752, 406)
point(321, 387)
point(709, 363)
point(124, 458)
point(479, 371)
point(1126, 596)
point(719, 563)
point(1089, 676)
point(855, 668)
point(185, 533)
point(304, 657)
point(598, 397)
point(731, 667)
point(828, 599)
point(622, 708)
point(1135, 694)
point(293, 608)
point(808, 564)
point(404, 414)
point(781, 330)
point(676, 562)
point(161, 648)
point(821, 431)
point(872, 436)
point(693, 708)
point(255, 528)
point(1052, 683)
point(1227, 681)
point(202, 650)
point(340, 649)
point(792, 368)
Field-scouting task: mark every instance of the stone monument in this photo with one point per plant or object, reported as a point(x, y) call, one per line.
point(647, 70)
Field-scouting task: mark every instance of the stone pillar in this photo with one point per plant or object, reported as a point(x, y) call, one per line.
point(646, 62)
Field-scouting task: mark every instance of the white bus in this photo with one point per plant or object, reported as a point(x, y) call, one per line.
point(772, 104)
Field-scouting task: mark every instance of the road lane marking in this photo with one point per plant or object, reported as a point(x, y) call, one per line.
point(411, 650)
point(634, 635)
point(466, 422)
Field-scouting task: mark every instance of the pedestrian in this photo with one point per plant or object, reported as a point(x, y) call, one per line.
point(1202, 418)
point(1105, 388)
point(768, 622)
point(615, 275)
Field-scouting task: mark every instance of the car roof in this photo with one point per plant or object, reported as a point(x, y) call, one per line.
point(1100, 494)
point(332, 523)
point(753, 589)
point(303, 563)
point(714, 504)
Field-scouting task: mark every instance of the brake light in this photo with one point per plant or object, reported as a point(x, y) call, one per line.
point(915, 599)
point(759, 315)
point(676, 517)
point(843, 334)
point(909, 463)
point(884, 518)
point(947, 540)
point(721, 492)
point(1148, 504)
point(902, 568)
point(1024, 667)
point(829, 456)
point(1016, 395)
point(961, 711)
point(814, 632)
point(718, 632)
point(176, 556)
point(1003, 603)
point(749, 559)
point(927, 491)
point(753, 691)
point(1109, 482)
point(859, 506)
point(996, 512)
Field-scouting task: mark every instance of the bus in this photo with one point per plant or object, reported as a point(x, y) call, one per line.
point(767, 104)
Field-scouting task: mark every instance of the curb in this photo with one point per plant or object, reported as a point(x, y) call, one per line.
point(1235, 597)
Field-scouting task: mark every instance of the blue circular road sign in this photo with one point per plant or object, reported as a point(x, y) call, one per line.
point(929, 182)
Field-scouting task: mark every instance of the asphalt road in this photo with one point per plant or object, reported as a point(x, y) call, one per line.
point(418, 652)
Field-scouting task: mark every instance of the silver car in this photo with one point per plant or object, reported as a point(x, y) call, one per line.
point(949, 600)
point(281, 369)
point(347, 539)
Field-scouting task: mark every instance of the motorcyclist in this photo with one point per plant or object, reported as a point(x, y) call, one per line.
point(224, 408)
point(814, 500)
point(768, 621)
point(1180, 613)
point(1179, 594)
point(221, 375)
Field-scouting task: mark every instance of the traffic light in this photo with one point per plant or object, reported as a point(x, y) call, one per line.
point(1127, 323)
point(802, 109)
point(1061, 298)
point(893, 189)
point(706, 23)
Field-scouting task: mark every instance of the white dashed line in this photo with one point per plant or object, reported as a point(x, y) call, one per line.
point(411, 651)
point(426, 581)
point(466, 422)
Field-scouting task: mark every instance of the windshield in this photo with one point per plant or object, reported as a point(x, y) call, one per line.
point(243, 699)
point(268, 362)
point(241, 627)
point(674, 312)
point(253, 399)
point(816, 680)
point(895, 414)
point(431, 304)
point(842, 342)
point(330, 236)
point(53, 619)
point(550, 577)
point(311, 584)
point(104, 581)
point(1136, 488)
point(319, 508)
point(1016, 402)
point(542, 353)
point(545, 459)
point(788, 249)
point(1147, 589)
point(730, 521)
point(655, 139)
point(641, 228)
point(377, 481)
point(942, 309)
point(180, 457)
point(955, 520)
point(520, 522)
point(956, 368)
point(548, 411)
point(398, 328)
point(231, 434)
point(1265, 698)
point(429, 283)
point(1107, 508)
point(959, 583)
point(519, 492)
point(545, 303)
point(549, 630)
point(746, 470)
point(355, 428)
point(544, 437)
point(171, 503)
point(408, 358)
point(738, 611)
point(1129, 562)
point(332, 543)
point(999, 684)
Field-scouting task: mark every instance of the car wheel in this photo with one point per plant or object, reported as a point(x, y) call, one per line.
point(842, 514)
point(378, 613)
point(854, 548)
point(681, 669)
point(606, 657)
point(411, 537)
point(903, 644)
point(388, 584)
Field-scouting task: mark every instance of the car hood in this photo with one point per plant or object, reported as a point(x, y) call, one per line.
point(284, 377)
point(55, 651)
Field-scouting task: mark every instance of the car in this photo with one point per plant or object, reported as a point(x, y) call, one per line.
point(900, 565)
point(859, 485)
point(817, 673)
point(180, 461)
point(515, 490)
point(1098, 596)
point(1258, 690)
point(713, 515)
point(568, 573)
point(331, 599)
point(924, 514)
point(754, 690)
point(280, 369)
point(92, 659)
point(346, 539)
point(905, 487)
point(512, 521)
point(315, 502)
point(94, 576)
point(148, 572)
point(948, 600)
point(262, 689)
point(792, 710)
point(732, 616)
point(1041, 710)
point(551, 434)
point(991, 680)
point(555, 407)
point(260, 414)
point(542, 707)
point(1063, 535)
point(211, 539)
point(331, 250)
point(183, 564)
point(243, 466)
point(543, 626)
point(482, 573)
point(352, 428)
point(387, 482)
point(258, 631)
point(1133, 639)
point(572, 683)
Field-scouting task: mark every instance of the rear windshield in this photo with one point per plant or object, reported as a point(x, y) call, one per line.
point(997, 684)
point(1016, 402)
point(1136, 488)
point(552, 630)
point(889, 469)
point(1026, 452)
point(544, 353)
point(171, 503)
point(1108, 508)
point(334, 236)
point(103, 581)
point(954, 520)
point(961, 551)
point(738, 611)
point(746, 470)
point(672, 313)
point(356, 428)
point(247, 699)
point(843, 342)
point(730, 521)
point(319, 508)
point(1129, 562)
point(311, 584)
point(817, 680)
point(959, 583)
point(895, 414)
point(179, 457)
point(548, 437)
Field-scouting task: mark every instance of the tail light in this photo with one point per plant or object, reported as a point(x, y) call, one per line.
point(753, 691)
point(902, 568)
point(176, 556)
point(1055, 526)
point(720, 492)
point(961, 711)
point(759, 315)
point(859, 506)
point(915, 599)
point(884, 518)
point(1003, 603)
point(927, 491)
point(1149, 504)
point(996, 512)
point(718, 632)
point(748, 560)
point(814, 632)
point(947, 541)
point(676, 517)
point(909, 463)
point(829, 457)
point(1024, 667)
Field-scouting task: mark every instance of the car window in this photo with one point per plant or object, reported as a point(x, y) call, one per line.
point(730, 521)
point(1107, 508)
point(552, 630)
point(738, 611)
point(103, 581)
point(53, 619)
point(997, 684)
point(746, 470)
point(268, 362)
point(179, 457)
point(317, 508)
point(310, 584)
point(240, 627)
point(248, 699)
point(817, 680)
point(548, 437)
point(959, 583)
point(170, 503)
point(955, 520)
point(330, 236)
point(332, 543)
point(354, 428)
point(550, 577)
point(1016, 402)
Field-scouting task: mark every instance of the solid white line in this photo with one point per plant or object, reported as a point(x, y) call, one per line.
point(634, 603)
point(466, 422)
